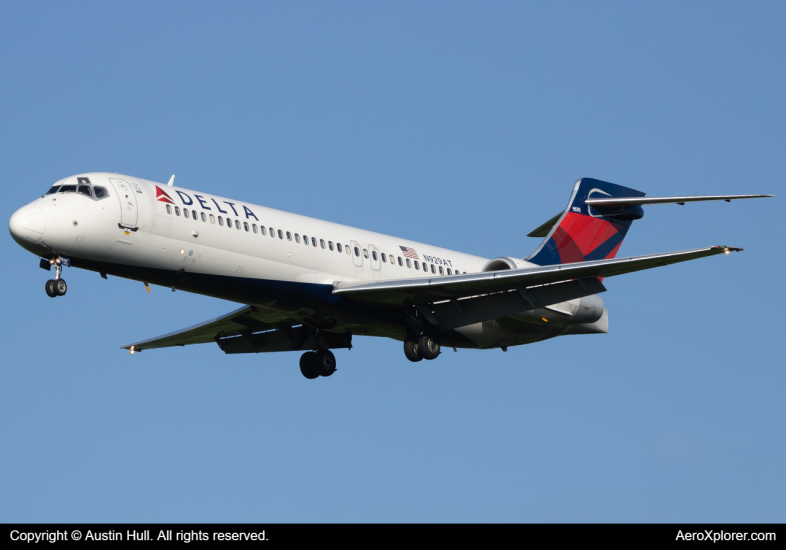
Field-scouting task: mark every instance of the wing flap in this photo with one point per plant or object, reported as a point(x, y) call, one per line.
point(428, 290)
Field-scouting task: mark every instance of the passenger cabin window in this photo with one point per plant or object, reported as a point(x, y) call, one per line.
point(374, 255)
point(254, 227)
point(229, 223)
point(100, 192)
point(338, 247)
point(314, 242)
point(305, 240)
point(204, 218)
point(272, 233)
point(212, 218)
point(365, 253)
point(400, 262)
point(330, 245)
point(322, 243)
point(262, 230)
point(384, 258)
point(357, 252)
point(220, 219)
point(177, 210)
point(245, 226)
point(237, 225)
point(449, 272)
point(280, 234)
point(289, 236)
point(297, 238)
point(168, 209)
point(440, 270)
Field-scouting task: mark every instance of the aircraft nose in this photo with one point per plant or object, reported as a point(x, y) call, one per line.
point(27, 225)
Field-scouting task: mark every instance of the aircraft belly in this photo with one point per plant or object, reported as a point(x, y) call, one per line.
point(312, 304)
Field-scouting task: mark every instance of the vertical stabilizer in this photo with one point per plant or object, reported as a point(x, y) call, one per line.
point(585, 233)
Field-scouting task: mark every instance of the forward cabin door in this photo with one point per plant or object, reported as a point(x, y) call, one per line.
point(128, 207)
point(357, 253)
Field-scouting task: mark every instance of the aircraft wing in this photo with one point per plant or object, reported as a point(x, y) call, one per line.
point(231, 324)
point(427, 290)
point(248, 330)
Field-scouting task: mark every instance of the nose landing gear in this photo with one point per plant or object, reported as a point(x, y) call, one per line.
point(57, 286)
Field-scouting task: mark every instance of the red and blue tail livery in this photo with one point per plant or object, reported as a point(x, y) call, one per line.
point(584, 232)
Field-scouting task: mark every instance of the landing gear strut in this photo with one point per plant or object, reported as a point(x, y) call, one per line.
point(57, 286)
point(424, 347)
point(314, 364)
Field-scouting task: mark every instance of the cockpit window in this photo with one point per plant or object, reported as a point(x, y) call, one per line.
point(68, 189)
point(100, 192)
point(86, 181)
point(85, 190)
point(53, 189)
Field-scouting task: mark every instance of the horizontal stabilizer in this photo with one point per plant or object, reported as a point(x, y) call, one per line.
point(641, 201)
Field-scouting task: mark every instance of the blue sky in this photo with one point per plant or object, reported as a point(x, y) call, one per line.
point(455, 123)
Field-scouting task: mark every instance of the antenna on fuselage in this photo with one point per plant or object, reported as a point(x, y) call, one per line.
point(171, 180)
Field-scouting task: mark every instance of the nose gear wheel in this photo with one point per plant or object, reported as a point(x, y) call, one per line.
point(57, 286)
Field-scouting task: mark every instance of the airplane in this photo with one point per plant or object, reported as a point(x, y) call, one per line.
point(311, 285)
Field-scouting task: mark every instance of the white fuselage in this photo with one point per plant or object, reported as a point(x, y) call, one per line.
point(154, 232)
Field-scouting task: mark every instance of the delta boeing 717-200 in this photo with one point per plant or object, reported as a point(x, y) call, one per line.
point(311, 285)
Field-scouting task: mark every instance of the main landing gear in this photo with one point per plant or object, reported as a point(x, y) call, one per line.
point(57, 286)
point(424, 347)
point(314, 364)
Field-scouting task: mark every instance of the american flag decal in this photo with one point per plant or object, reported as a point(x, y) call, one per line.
point(161, 196)
point(409, 252)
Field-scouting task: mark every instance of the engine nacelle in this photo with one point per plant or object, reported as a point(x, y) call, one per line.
point(588, 309)
point(499, 264)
